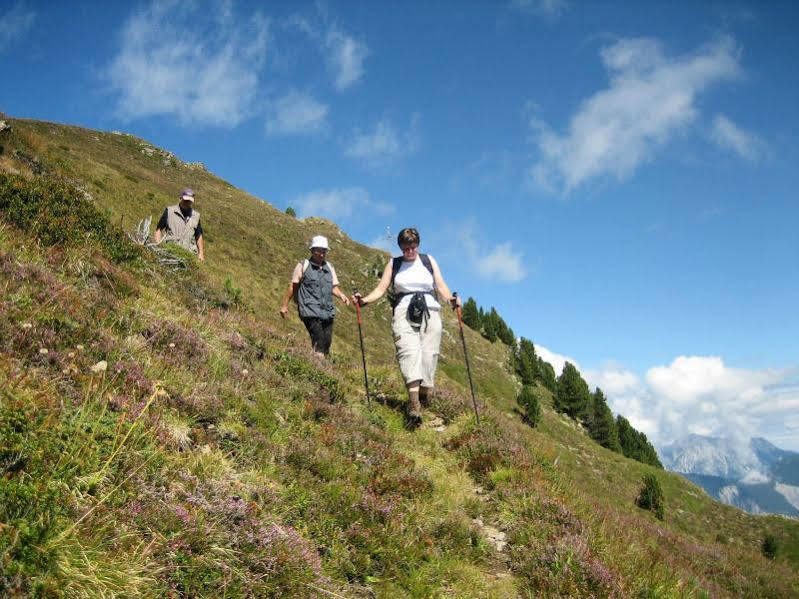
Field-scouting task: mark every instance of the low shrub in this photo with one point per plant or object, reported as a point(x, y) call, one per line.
point(57, 213)
point(651, 496)
point(769, 547)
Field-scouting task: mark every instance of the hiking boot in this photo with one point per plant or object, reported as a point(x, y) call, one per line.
point(424, 399)
point(414, 411)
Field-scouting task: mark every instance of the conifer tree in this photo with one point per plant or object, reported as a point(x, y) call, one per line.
point(650, 496)
point(470, 315)
point(572, 393)
point(496, 322)
point(634, 444)
point(601, 425)
point(547, 374)
point(526, 362)
point(489, 332)
point(528, 401)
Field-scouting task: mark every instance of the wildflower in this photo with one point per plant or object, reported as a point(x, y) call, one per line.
point(101, 366)
point(44, 351)
point(27, 325)
point(245, 372)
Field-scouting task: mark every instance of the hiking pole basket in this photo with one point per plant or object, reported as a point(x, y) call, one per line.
point(363, 354)
point(466, 358)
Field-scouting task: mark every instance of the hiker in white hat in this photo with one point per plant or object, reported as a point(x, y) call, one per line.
point(313, 284)
point(181, 224)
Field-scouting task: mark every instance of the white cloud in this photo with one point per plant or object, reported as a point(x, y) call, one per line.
point(754, 477)
point(731, 137)
point(343, 54)
point(702, 395)
point(194, 61)
point(500, 262)
point(651, 97)
point(336, 204)
point(384, 145)
point(295, 113)
point(345, 57)
point(548, 8)
point(689, 379)
point(15, 24)
point(612, 380)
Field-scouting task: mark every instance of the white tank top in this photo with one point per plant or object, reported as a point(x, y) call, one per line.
point(412, 277)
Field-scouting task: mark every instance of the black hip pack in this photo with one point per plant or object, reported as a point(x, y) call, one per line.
point(417, 309)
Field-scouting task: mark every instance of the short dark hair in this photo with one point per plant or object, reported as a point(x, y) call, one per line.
point(408, 236)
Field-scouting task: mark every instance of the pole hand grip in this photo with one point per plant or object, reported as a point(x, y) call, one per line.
point(357, 297)
point(457, 308)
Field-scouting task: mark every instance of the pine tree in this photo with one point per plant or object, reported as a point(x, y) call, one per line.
point(290, 211)
point(528, 401)
point(601, 425)
point(489, 332)
point(470, 315)
point(496, 322)
point(572, 393)
point(547, 374)
point(769, 546)
point(635, 445)
point(526, 362)
point(650, 496)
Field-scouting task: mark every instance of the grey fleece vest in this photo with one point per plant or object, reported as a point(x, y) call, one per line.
point(315, 293)
point(181, 229)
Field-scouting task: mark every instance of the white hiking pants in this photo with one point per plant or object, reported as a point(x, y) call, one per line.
point(417, 347)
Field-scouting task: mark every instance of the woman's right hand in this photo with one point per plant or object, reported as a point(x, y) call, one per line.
point(283, 311)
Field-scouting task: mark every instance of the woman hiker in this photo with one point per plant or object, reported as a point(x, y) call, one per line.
point(416, 323)
point(315, 283)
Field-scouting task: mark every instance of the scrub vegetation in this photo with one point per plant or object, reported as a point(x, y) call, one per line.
point(163, 433)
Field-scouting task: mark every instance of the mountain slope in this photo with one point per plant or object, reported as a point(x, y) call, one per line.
point(757, 477)
point(163, 435)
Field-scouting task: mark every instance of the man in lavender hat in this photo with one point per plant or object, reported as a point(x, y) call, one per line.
point(181, 224)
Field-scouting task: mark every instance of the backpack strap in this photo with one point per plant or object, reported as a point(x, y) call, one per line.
point(396, 263)
point(305, 264)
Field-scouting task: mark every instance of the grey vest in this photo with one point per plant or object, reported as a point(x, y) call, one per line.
point(315, 293)
point(181, 229)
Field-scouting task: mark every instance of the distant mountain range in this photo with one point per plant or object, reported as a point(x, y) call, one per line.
point(757, 476)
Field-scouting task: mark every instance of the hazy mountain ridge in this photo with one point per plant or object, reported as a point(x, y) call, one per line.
point(757, 476)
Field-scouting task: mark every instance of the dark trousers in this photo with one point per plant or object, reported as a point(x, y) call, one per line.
point(321, 332)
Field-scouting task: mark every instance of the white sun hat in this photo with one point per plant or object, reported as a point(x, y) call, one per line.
point(319, 241)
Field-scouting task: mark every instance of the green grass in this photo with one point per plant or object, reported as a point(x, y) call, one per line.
point(216, 456)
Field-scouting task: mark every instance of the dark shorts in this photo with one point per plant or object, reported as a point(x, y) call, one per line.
point(321, 332)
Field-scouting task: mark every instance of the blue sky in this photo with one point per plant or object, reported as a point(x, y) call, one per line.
point(617, 179)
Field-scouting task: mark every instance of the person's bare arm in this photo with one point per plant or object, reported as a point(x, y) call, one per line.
point(378, 292)
point(337, 292)
point(157, 236)
point(441, 285)
point(200, 249)
point(284, 304)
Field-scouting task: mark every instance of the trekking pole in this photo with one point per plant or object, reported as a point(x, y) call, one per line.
point(363, 354)
point(466, 357)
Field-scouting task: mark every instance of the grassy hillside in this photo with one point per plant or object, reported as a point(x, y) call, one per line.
point(160, 438)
